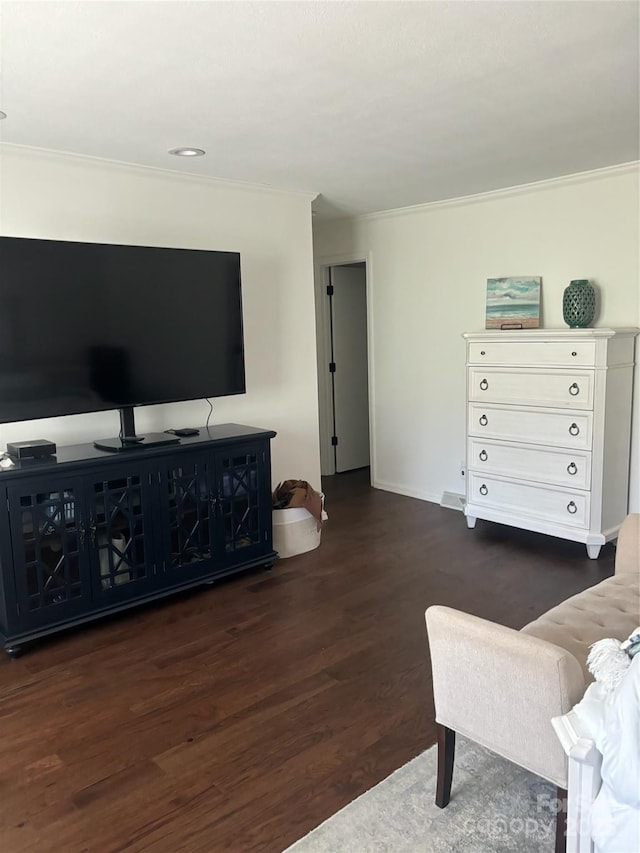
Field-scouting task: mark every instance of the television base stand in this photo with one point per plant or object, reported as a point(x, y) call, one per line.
point(120, 445)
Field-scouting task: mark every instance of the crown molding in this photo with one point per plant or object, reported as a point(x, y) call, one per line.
point(137, 168)
point(507, 192)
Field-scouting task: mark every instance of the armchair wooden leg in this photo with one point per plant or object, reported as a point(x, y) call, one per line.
point(446, 755)
point(561, 822)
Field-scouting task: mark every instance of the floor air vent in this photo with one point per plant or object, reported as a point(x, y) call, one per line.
point(451, 500)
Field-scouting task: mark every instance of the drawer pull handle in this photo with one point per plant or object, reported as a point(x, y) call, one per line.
point(482, 352)
point(484, 420)
point(572, 468)
point(484, 490)
point(484, 385)
point(574, 389)
point(574, 429)
point(572, 508)
point(574, 354)
point(483, 455)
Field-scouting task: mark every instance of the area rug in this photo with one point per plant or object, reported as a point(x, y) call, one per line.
point(495, 806)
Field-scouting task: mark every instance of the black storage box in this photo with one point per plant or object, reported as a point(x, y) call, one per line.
point(37, 448)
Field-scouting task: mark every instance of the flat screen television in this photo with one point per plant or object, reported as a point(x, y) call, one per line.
point(86, 327)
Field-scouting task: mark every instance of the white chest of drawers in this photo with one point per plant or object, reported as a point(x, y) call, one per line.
point(548, 430)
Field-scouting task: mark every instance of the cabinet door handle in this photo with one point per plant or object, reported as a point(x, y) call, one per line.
point(484, 420)
point(484, 385)
point(82, 532)
point(572, 508)
point(574, 353)
point(213, 501)
point(483, 490)
point(574, 389)
point(572, 468)
point(93, 528)
point(483, 455)
point(574, 429)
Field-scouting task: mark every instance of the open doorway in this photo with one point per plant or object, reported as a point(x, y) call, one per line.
point(343, 367)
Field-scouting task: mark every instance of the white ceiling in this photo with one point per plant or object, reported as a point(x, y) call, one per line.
point(373, 105)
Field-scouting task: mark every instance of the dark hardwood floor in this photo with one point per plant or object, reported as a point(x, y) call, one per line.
point(239, 716)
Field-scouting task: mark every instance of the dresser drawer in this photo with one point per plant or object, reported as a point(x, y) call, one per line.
point(556, 467)
point(531, 426)
point(557, 353)
point(542, 502)
point(566, 389)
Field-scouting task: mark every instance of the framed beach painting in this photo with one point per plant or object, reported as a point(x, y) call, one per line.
point(513, 303)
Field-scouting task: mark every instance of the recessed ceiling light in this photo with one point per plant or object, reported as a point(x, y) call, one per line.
point(2, 115)
point(187, 152)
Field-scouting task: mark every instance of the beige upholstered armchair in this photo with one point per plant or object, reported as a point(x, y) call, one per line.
point(501, 687)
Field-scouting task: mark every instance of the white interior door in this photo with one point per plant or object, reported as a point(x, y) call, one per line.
point(350, 379)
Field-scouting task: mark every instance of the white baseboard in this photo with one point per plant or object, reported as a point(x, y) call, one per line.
point(399, 489)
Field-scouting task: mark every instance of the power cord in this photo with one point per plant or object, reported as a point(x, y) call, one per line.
point(210, 412)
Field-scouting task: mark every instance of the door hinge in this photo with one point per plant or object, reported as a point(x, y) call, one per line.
point(329, 290)
point(332, 367)
point(334, 440)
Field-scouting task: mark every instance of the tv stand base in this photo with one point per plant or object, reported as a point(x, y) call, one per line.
point(119, 445)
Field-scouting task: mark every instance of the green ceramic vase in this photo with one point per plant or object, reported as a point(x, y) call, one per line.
point(579, 304)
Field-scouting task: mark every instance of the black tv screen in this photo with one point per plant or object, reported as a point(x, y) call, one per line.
point(88, 326)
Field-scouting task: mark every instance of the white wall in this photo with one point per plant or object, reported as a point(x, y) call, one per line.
point(59, 196)
point(427, 271)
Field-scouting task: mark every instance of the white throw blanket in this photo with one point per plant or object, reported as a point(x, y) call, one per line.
point(613, 719)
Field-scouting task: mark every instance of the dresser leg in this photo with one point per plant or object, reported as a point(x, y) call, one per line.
point(593, 551)
point(471, 521)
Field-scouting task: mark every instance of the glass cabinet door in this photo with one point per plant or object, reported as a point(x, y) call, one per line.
point(49, 546)
point(244, 503)
point(188, 506)
point(121, 546)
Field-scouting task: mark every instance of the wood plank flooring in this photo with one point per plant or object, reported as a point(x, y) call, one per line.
point(239, 716)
